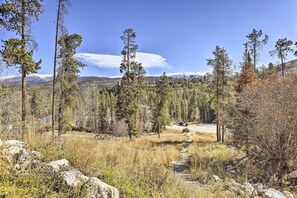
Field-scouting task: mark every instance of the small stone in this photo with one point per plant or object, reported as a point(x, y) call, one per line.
point(293, 175)
point(1, 143)
point(272, 193)
point(17, 167)
point(216, 178)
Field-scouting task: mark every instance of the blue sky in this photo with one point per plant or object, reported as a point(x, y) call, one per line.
point(173, 35)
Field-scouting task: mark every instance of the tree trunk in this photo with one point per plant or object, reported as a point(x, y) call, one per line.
point(24, 72)
point(54, 72)
point(283, 66)
point(217, 107)
point(255, 56)
point(223, 133)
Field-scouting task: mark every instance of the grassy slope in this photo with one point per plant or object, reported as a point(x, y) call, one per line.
point(138, 168)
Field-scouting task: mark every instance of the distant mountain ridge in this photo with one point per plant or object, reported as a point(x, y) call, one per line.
point(35, 79)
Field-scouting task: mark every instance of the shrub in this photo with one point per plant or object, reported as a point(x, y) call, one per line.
point(264, 123)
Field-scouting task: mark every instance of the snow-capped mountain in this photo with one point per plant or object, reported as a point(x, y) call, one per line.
point(34, 79)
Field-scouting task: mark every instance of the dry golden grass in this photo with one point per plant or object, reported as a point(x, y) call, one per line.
point(142, 167)
point(138, 168)
point(172, 131)
point(204, 137)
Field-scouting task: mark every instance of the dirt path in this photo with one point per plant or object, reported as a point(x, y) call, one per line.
point(203, 128)
point(181, 167)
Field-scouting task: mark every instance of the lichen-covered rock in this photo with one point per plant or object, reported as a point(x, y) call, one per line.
point(74, 178)
point(98, 189)
point(59, 164)
point(272, 193)
point(9, 143)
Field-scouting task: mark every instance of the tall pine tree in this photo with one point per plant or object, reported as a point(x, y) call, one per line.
point(160, 111)
point(68, 75)
point(130, 86)
point(17, 16)
point(221, 70)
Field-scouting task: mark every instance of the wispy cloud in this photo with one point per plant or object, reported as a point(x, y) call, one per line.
point(148, 60)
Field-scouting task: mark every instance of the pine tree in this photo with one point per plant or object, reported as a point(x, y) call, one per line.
point(160, 111)
point(247, 75)
point(282, 48)
point(17, 16)
point(255, 43)
point(60, 30)
point(103, 122)
point(68, 75)
point(130, 86)
point(221, 70)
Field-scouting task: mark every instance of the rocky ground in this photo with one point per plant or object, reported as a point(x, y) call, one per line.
point(24, 160)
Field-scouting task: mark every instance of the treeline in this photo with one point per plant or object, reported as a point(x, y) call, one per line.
point(94, 108)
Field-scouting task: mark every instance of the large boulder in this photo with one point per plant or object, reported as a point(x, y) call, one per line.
point(59, 164)
point(98, 189)
point(74, 178)
point(272, 193)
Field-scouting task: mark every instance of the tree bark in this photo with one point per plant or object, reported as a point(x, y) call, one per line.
point(54, 72)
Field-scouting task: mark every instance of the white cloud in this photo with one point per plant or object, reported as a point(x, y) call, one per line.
point(113, 61)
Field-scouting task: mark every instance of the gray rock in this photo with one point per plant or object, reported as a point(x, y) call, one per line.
point(272, 193)
point(36, 154)
point(9, 143)
point(98, 189)
point(58, 164)
point(74, 178)
point(288, 194)
point(216, 178)
point(15, 154)
point(293, 175)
